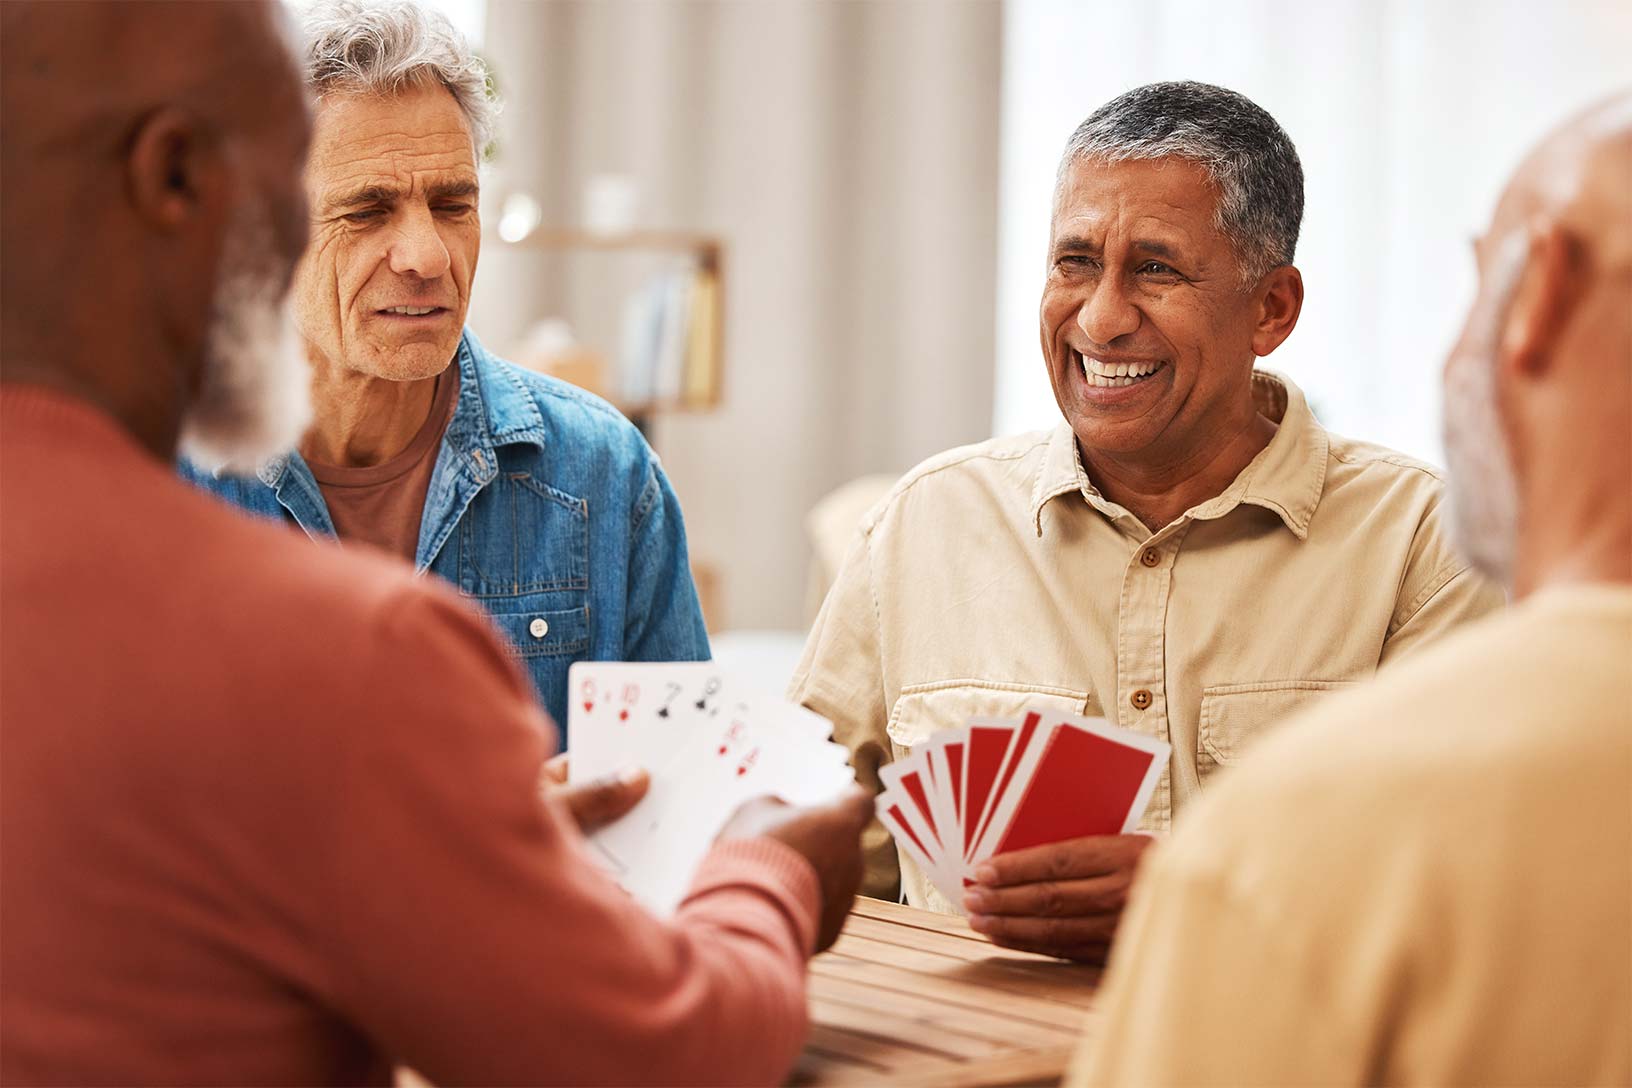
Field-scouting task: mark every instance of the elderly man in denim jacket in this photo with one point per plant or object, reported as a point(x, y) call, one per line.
point(537, 500)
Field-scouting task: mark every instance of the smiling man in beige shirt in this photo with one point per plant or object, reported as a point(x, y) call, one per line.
point(1189, 553)
point(1453, 902)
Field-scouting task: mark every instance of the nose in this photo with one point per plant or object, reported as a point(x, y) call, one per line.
point(418, 249)
point(1107, 312)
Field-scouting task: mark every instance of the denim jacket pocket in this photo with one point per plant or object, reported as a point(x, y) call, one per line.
point(1235, 716)
point(538, 633)
point(922, 710)
point(523, 536)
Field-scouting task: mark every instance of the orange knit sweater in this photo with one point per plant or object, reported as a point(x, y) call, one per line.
point(269, 813)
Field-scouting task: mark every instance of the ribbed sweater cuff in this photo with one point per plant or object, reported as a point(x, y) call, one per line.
point(773, 868)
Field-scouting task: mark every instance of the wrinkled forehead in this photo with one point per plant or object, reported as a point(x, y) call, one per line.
point(1173, 195)
point(403, 139)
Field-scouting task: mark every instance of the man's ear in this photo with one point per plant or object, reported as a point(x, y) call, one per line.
point(174, 170)
point(1281, 301)
point(1547, 293)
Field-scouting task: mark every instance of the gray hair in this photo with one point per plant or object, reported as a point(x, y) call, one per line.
point(383, 46)
point(1248, 156)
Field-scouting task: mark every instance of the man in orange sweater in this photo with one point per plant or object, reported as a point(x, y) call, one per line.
point(269, 811)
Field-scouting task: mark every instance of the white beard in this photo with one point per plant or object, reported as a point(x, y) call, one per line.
point(255, 399)
point(1484, 500)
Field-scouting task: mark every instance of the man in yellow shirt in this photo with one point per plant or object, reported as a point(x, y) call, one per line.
point(1188, 553)
point(1452, 902)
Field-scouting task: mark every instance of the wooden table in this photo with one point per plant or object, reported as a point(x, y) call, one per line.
point(908, 997)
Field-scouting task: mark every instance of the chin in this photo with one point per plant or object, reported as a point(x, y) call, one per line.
point(1122, 437)
point(411, 362)
point(1095, 436)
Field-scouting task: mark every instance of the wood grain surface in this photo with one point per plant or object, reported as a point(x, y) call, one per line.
point(909, 997)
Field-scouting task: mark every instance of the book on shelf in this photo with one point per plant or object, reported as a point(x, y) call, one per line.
point(703, 349)
point(670, 349)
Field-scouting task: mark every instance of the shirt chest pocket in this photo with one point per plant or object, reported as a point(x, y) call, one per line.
point(922, 710)
point(1235, 716)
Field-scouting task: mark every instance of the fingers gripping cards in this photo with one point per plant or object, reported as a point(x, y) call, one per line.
point(709, 746)
point(999, 785)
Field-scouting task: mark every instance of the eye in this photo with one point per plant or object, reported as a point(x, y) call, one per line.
point(1078, 262)
point(1156, 268)
point(363, 216)
point(454, 208)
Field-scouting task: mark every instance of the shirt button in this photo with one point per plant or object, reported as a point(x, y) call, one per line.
point(539, 627)
point(1151, 557)
point(1140, 699)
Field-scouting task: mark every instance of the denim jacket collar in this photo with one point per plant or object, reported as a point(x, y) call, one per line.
point(493, 410)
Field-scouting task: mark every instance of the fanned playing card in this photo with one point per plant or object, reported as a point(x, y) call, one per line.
point(998, 785)
point(625, 714)
point(1084, 777)
point(708, 746)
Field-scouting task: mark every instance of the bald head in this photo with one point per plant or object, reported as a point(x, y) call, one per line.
point(135, 133)
point(1579, 176)
point(112, 59)
point(1539, 389)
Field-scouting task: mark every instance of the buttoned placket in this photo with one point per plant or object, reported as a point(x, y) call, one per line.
point(1141, 649)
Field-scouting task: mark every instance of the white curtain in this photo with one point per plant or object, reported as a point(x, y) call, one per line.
point(1407, 114)
point(847, 154)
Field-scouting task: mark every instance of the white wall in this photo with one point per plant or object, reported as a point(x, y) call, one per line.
point(1407, 116)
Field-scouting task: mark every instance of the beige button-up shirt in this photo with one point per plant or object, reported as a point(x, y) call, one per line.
point(1451, 905)
point(996, 578)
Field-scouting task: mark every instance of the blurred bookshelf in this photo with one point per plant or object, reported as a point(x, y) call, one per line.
point(644, 330)
point(669, 355)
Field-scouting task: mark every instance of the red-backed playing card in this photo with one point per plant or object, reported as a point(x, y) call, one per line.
point(909, 777)
point(954, 779)
point(1089, 778)
point(1015, 756)
point(988, 745)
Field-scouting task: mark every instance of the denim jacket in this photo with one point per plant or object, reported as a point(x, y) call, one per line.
point(548, 509)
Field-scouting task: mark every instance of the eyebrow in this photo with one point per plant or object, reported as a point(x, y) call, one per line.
point(446, 190)
point(367, 194)
point(1158, 249)
point(1074, 241)
point(1080, 242)
point(388, 194)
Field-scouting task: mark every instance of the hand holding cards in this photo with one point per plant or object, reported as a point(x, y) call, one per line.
point(1001, 785)
point(709, 746)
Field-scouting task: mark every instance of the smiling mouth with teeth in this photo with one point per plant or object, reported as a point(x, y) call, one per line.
point(410, 311)
point(1115, 375)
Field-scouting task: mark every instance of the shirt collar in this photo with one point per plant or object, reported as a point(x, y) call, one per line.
point(1286, 477)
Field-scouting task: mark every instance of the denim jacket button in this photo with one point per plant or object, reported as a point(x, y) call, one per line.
point(539, 627)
